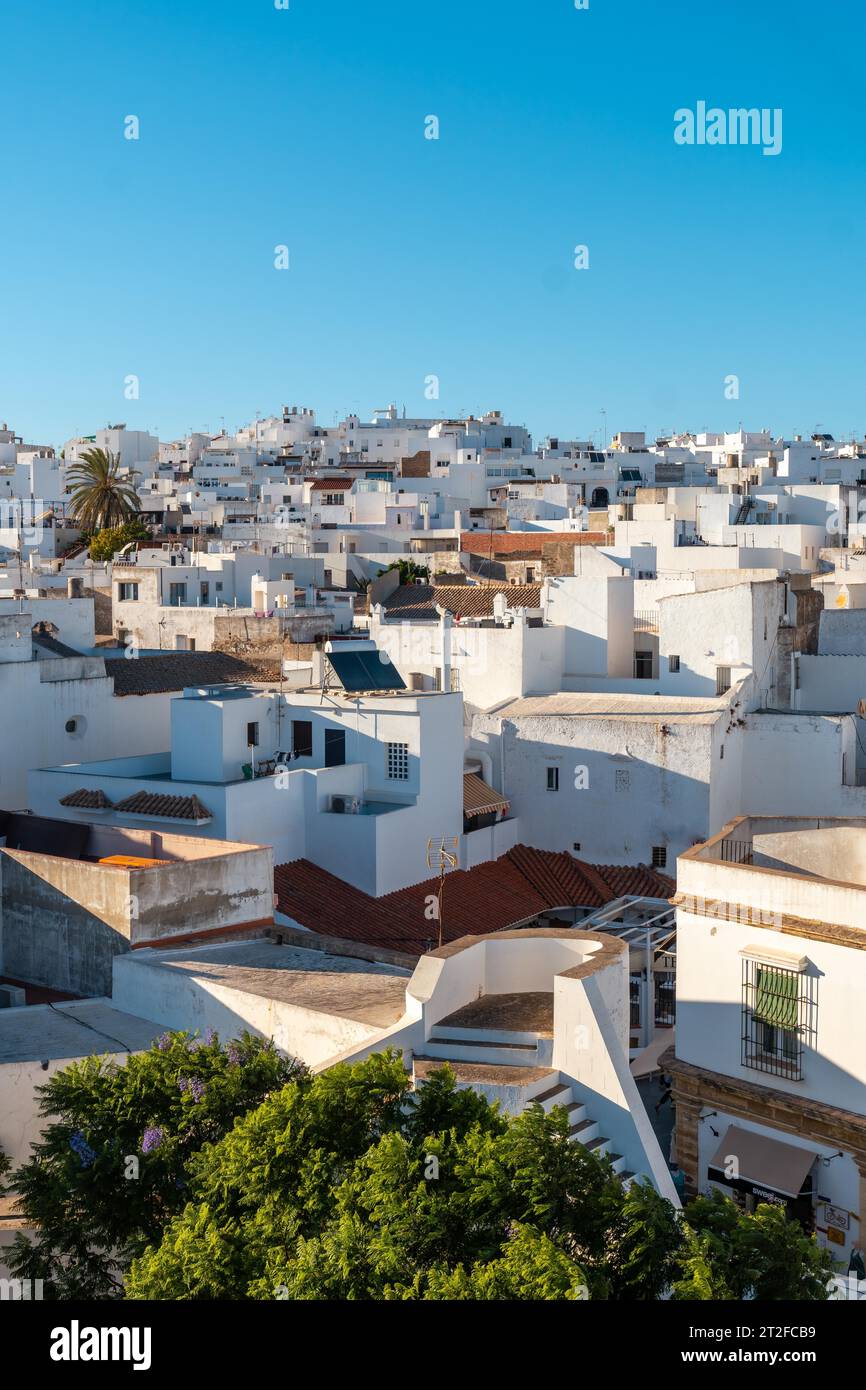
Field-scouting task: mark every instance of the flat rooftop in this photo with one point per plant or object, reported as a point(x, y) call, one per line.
point(79, 1028)
point(827, 848)
point(371, 992)
point(677, 709)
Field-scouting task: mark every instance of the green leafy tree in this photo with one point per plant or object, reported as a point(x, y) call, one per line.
point(410, 571)
point(106, 543)
point(350, 1186)
point(731, 1254)
point(101, 496)
point(112, 1165)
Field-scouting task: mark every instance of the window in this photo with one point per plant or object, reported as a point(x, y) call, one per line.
point(723, 679)
point(643, 666)
point(252, 734)
point(660, 856)
point(576, 846)
point(302, 738)
point(553, 779)
point(335, 747)
point(674, 665)
point(776, 1017)
point(205, 591)
point(176, 595)
point(398, 761)
point(127, 593)
point(622, 779)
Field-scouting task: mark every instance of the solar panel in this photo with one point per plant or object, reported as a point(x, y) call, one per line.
point(370, 670)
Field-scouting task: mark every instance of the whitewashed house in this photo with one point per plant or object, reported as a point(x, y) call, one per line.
point(769, 1069)
point(357, 784)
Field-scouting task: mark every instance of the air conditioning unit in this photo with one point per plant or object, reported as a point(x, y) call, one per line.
point(346, 805)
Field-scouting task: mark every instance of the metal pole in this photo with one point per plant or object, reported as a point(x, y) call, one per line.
point(650, 990)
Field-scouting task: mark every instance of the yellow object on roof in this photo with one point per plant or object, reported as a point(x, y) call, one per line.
point(131, 861)
point(478, 798)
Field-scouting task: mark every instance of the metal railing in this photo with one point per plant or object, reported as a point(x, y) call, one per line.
point(646, 621)
point(736, 851)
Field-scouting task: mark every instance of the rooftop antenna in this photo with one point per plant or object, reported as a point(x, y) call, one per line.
point(441, 856)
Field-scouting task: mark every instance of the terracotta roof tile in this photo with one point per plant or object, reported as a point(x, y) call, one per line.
point(171, 807)
point(87, 799)
point(491, 897)
point(462, 600)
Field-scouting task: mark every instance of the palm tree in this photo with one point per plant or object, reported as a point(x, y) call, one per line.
point(100, 497)
point(410, 571)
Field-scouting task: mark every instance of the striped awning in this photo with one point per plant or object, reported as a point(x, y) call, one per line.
point(478, 798)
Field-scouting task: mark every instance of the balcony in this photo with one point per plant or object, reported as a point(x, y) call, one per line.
point(646, 621)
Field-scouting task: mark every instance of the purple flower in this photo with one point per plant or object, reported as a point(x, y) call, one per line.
point(79, 1145)
point(164, 1042)
point(233, 1053)
point(153, 1137)
point(193, 1085)
point(209, 1036)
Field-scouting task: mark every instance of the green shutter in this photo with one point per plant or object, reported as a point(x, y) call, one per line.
point(776, 998)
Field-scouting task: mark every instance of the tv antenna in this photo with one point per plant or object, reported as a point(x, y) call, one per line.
point(442, 856)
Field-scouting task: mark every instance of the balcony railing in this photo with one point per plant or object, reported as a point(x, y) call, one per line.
point(736, 851)
point(646, 621)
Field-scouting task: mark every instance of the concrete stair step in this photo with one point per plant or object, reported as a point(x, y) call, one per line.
point(530, 1080)
point(576, 1112)
point(583, 1131)
point(557, 1095)
point(500, 1035)
point(598, 1146)
point(482, 1041)
point(463, 1050)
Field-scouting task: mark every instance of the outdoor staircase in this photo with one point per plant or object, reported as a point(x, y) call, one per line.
point(582, 1129)
point(513, 1067)
point(743, 513)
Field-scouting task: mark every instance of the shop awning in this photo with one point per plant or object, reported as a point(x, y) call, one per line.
point(763, 1161)
point(478, 798)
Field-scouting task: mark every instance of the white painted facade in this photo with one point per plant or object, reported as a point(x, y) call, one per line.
point(400, 757)
point(799, 872)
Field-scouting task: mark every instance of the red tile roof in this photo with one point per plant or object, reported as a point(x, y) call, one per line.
point(491, 897)
point(170, 807)
point(87, 799)
point(462, 600)
point(332, 485)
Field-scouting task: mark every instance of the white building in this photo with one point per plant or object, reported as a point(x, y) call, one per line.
point(770, 1071)
point(356, 784)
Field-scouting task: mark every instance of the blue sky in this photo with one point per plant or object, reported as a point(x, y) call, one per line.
point(411, 257)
